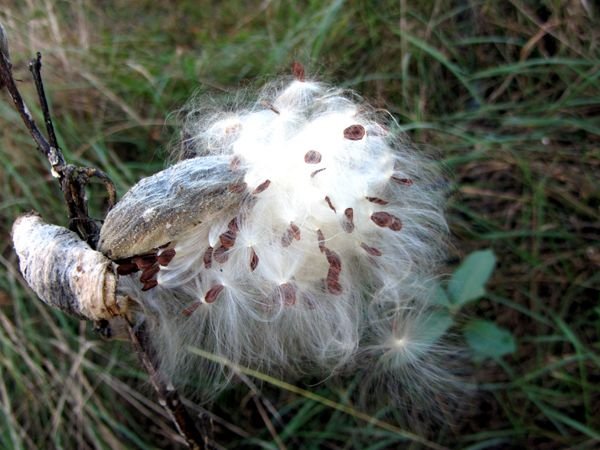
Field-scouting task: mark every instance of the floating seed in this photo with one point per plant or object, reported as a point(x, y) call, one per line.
point(312, 157)
point(348, 221)
point(298, 71)
point(149, 273)
point(377, 200)
point(253, 260)
point(328, 200)
point(190, 309)
point(370, 250)
point(149, 285)
point(288, 293)
point(208, 258)
point(403, 181)
point(295, 231)
point(354, 132)
point(166, 256)
point(271, 107)
point(213, 293)
point(127, 268)
point(262, 186)
point(220, 255)
point(386, 220)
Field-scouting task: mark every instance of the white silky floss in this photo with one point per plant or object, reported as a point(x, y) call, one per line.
point(323, 262)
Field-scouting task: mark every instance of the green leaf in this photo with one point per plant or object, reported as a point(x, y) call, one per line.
point(488, 340)
point(468, 281)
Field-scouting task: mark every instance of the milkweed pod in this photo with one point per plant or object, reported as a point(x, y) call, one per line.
point(64, 271)
point(161, 207)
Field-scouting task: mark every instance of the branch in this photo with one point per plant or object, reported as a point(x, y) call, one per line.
point(63, 271)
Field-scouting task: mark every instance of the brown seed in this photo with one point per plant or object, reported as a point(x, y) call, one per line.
point(287, 291)
point(354, 132)
point(127, 268)
point(334, 260)
point(377, 200)
point(227, 239)
point(328, 200)
point(149, 285)
point(295, 231)
point(386, 220)
point(253, 260)
point(271, 107)
point(312, 157)
point(149, 273)
point(348, 221)
point(298, 71)
point(220, 254)
point(144, 261)
point(237, 188)
point(371, 250)
point(213, 293)
point(321, 240)
point(166, 256)
point(233, 225)
point(190, 309)
point(261, 187)
point(333, 285)
point(317, 171)
point(208, 258)
point(404, 181)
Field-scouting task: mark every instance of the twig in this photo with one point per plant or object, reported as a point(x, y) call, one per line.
point(73, 180)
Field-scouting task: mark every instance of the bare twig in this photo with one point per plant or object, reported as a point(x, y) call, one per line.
point(73, 180)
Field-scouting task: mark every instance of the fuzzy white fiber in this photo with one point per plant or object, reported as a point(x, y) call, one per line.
point(323, 265)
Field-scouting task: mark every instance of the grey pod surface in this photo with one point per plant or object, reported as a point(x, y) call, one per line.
point(64, 271)
point(161, 207)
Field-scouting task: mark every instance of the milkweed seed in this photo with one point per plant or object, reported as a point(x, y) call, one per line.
point(321, 240)
point(190, 309)
point(354, 132)
point(261, 187)
point(328, 200)
point(144, 261)
point(386, 220)
point(207, 259)
point(237, 188)
point(213, 293)
point(377, 200)
point(220, 255)
point(127, 268)
point(149, 285)
point(288, 293)
point(166, 256)
point(312, 157)
point(348, 221)
point(370, 250)
point(253, 260)
point(403, 181)
point(149, 273)
point(298, 71)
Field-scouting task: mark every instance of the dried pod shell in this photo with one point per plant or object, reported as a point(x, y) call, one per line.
point(64, 271)
point(161, 207)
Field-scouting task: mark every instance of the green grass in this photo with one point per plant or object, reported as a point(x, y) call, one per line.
point(508, 92)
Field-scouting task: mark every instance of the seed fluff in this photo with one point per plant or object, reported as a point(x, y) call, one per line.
point(309, 249)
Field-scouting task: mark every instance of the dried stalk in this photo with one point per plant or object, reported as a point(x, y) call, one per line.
point(51, 250)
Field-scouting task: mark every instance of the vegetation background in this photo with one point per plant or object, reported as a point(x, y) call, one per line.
point(507, 91)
